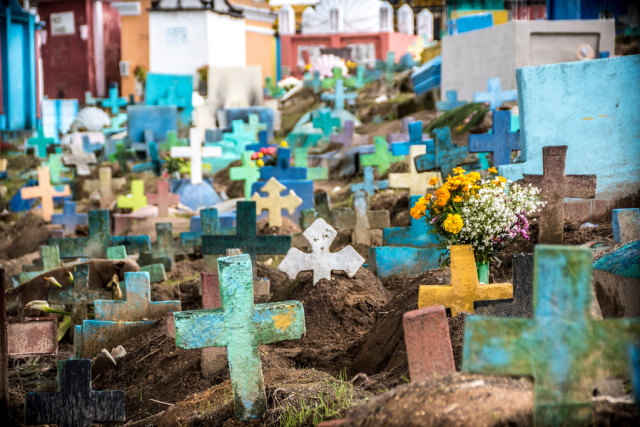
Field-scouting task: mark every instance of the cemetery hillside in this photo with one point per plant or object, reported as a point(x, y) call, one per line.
point(319, 212)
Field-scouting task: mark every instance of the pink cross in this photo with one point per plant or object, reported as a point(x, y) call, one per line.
point(163, 198)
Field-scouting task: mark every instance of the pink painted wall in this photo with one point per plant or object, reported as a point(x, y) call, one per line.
point(111, 23)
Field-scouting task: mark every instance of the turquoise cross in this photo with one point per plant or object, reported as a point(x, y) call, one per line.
point(40, 143)
point(114, 102)
point(248, 173)
point(325, 122)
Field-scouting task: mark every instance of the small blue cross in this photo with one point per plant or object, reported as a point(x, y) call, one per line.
point(451, 102)
point(369, 185)
point(69, 218)
point(495, 95)
point(114, 102)
point(283, 170)
point(416, 137)
point(500, 142)
point(339, 96)
point(446, 156)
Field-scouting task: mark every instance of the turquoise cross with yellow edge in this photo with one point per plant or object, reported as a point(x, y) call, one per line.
point(241, 327)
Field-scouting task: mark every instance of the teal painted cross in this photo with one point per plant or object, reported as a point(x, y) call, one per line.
point(563, 347)
point(451, 102)
point(114, 101)
point(121, 155)
point(40, 143)
point(241, 327)
point(241, 133)
point(339, 96)
point(300, 158)
point(154, 164)
point(210, 226)
point(369, 185)
point(165, 249)
point(325, 122)
point(156, 272)
point(315, 83)
point(382, 158)
point(254, 125)
point(95, 245)
point(116, 124)
point(248, 172)
point(50, 257)
point(90, 100)
point(295, 139)
point(173, 141)
point(415, 137)
point(390, 66)
point(446, 156)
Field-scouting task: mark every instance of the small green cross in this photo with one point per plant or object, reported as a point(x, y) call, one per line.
point(121, 155)
point(136, 199)
point(300, 158)
point(247, 172)
point(382, 158)
point(325, 122)
point(50, 261)
point(40, 143)
point(329, 82)
point(173, 141)
point(56, 168)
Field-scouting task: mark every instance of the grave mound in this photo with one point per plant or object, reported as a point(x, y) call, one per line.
point(23, 236)
point(287, 228)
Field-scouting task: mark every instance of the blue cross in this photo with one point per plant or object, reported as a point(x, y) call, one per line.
point(446, 157)
point(263, 142)
point(500, 142)
point(90, 147)
point(69, 218)
point(451, 101)
point(369, 185)
point(339, 96)
point(155, 164)
point(172, 99)
point(114, 102)
point(495, 95)
point(416, 137)
point(283, 169)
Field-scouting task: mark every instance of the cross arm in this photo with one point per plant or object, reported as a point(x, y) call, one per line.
point(71, 248)
point(278, 321)
point(481, 143)
point(495, 291)
point(580, 186)
point(201, 329)
point(108, 406)
point(425, 162)
point(616, 334)
point(272, 245)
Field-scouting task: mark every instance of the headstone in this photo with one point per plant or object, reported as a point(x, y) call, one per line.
point(426, 336)
point(241, 327)
point(274, 202)
point(447, 155)
point(339, 96)
point(321, 261)
point(75, 403)
point(563, 347)
point(50, 257)
point(382, 158)
point(495, 96)
point(163, 198)
point(195, 152)
point(283, 169)
point(500, 142)
point(325, 122)
point(159, 119)
point(626, 225)
point(555, 186)
point(361, 220)
point(114, 102)
point(416, 182)
point(95, 245)
point(301, 159)
point(171, 90)
point(136, 199)
point(400, 144)
point(69, 218)
point(45, 192)
point(248, 172)
point(465, 288)
point(106, 184)
point(40, 143)
point(369, 185)
point(451, 101)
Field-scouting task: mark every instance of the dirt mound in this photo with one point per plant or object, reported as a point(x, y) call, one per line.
point(288, 227)
point(23, 236)
point(397, 203)
point(221, 181)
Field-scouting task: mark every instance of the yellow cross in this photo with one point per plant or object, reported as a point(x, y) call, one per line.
point(274, 202)
point(416, 182)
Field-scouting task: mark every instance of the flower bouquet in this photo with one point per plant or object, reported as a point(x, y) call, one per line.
point(469, 210)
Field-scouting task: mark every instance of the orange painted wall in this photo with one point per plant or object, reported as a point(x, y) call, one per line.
point(134, 46)
point(261, 48)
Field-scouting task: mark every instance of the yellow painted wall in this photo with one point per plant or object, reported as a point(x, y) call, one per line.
point(261, 48)
point(135, 45)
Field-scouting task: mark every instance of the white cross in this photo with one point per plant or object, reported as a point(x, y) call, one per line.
point(416, 182)
point(195, 152)
point(320, 260)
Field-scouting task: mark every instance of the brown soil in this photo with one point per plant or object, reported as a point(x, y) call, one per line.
point(23, 236)
point(287, 228)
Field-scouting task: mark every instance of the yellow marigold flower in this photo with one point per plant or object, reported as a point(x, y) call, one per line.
point(502, 179)
point(427, 197)
point(457, 199)
point(442, 195)
point(418, 210)
point(474, 176)
point(433, 181)
point(458, 170)
point(260, 162)
point(453, 224)
point(492, 170)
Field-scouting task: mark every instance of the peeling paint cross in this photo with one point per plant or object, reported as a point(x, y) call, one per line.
point(165, 249)
point(274, 202)
point(45, 192)
point(447, 155)
point(500, 142)
point(50, 261)
point(241, 327)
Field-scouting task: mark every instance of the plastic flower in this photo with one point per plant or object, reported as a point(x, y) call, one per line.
point(453, 224)
point(260, 163)
point(433, 181)
point(284, 144)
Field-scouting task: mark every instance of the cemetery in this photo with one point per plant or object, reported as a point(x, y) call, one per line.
point(319, 212)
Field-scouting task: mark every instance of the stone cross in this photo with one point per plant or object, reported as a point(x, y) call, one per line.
point(210, 226)
point(79, 159)
point(138, 305)
point(56, 168)
point(163, 198)
point(75, 403)
point(154, 164)
point(69, 218)
point(464, 289)
point(414, 137)
point(382, 158)
point(248, 172)
point(500, 142)
point(45, 192)
point(106, 183)
point(212, 359)
point(165, 248)
point(245, 238)
point(339, 96)
point(369, 185)
point(554, 187)
point(50, 257)
point(447, 154)
point(301, 159)
point(136, 199)
point(320, 260)
point(40, 143)
point(173, 141)
point(361, 220)
point(195, 152)
point(426, 336)
point(562, 347)
point(241, 326)
point(79, 295)
point(626, 225)
point(274, 202)
point(114, 102)
point(495, 96)
point(451, 101)
point(416, 182)
point(325, 122)
point(95, 245)
point(283, 169)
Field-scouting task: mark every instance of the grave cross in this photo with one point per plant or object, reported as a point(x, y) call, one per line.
point(69, 218)
point(495, 96)
point(136, 199)
point(120, 155)
point(321, 261)
point(165, 248)
point(114, 102)
point(56, 168)
point(95, 245)
point(195, 152)
point(245, 238)
point(447, 154)
point(88, 146)
point(346, 137)
point(263, 141)
point(79, 159)
point(45, 192)
point(254, 125)
point(555, 186)
point(156, 272)
point(116, 124)
point(40, 143)
point(381, 158)
point(210, 226)
point(242, 133)
point(241, 326)
point(75, 403)
point(106, 183)
point(163, 198)
point(173, 141)
point(339, 96)
point(451, 102)
point(403, 135)
point(369, 185)
point(414, 137)
point(500, 142)
point(325, 122)
point(416, 182)
point(212, 359)
point(301, 159)
point(464, 288)
point(79, 295)
point(154, 164)
point(50, 257)
point(361, 220)
point(248, 172)
point(283, 169)
point(90, 100)
point(563, 347)
point(274, 202)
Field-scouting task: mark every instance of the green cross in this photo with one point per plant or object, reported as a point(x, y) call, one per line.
point(247, 172)
point(329, 82)
point(121, 155)
point(56, 168)
point(173, 141)
point(300, 158)
point(382, 158)
point(40, 143)
point(50, 261)
point(325, 122)
point(136, 199)
point(241, 327)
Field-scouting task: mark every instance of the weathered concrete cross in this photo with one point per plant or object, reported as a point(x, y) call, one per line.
point(40, 143)
point(195, 152)
point(241, 327)
point(500, 142)
point(274, 202)
point(248, 172)
point(136, 199)
point(45, 192)
point(555, 186)
point(114, 102)
point(106, 183)
point(361, 220)
point(165, 248)
point(320, 260)
point(382, 158)
point(369, 185)
point(50, 257)
point(79, 159)
point(416, 182)
point(563, 347)
point(69, 218)
point(464, 288)
point(163, 198)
